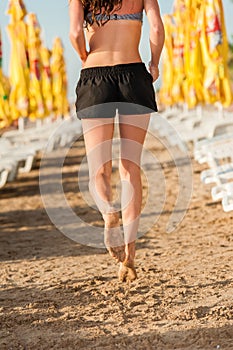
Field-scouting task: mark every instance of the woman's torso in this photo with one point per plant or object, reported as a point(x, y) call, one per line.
point(117, 41)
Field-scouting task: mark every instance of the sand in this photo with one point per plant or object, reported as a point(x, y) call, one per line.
point(58, 294)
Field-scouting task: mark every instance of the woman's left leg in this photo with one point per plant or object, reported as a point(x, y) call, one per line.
point(133, 129)
point(98, 135)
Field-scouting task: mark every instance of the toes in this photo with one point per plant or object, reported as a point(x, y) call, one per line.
point(132, 274)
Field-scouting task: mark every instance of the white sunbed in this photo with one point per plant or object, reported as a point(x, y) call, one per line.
point(20, 156)
point(37, 136)
point(205, 130)
point(20, 147)
point(68, 132)
point(219, 175)
point(224, 192)
point(193, 129)
point(201, 147)
point(214, 153)
point(48, 136)
point(6, 168)
point(227, 201)
point(213, 142)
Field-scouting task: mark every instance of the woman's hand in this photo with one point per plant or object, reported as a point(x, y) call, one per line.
point(84, 59)
point(154, 71)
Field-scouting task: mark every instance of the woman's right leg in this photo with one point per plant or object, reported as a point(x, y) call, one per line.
point(133, 129)
point(98, 134)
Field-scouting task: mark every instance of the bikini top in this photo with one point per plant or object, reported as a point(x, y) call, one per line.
point(131, 16)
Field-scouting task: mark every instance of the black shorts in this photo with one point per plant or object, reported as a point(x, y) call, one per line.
point(125, 87)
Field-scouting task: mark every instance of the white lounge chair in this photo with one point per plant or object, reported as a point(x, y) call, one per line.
point(21, 156)
point(6, 167)
point(227, 202)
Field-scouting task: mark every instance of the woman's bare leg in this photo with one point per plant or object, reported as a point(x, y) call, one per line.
point(98, 135)
point(133, 130)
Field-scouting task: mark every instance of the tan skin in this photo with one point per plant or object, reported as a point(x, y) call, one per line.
point(109, 45)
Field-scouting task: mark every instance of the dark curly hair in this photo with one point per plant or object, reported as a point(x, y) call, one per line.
point(96, 7)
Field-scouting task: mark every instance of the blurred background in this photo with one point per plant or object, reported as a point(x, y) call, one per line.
point(39, 69)
point(54, 21)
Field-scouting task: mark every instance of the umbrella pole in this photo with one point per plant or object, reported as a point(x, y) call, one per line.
point(21, 124)
point(38, 123)
point(220, 110)
point(199, 110)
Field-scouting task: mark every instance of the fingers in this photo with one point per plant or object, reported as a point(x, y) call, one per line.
point(154, 71)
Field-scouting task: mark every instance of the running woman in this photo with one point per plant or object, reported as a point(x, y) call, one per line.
point(113, 77)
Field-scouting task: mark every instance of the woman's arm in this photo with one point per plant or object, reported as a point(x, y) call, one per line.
point(76, 35)
point(157, 35)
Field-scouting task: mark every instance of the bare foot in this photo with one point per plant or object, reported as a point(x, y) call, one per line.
point(127, 272)
point(113, 237)
point(114, 242)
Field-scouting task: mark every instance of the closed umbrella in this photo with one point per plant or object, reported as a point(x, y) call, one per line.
point(215, 52)
point(193, 65)
point(46, 80)
point(59, 79)
point(5, 119)
point(178, 51)
point(19, 72)
point(199, 72)
point(165, 93)
point(36, 102)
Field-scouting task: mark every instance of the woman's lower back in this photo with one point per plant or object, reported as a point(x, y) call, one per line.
point(114, 43)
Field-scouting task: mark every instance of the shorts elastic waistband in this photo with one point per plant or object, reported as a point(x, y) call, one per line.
point(105, 70)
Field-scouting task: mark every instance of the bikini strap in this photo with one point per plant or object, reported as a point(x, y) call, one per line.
point(132, 16)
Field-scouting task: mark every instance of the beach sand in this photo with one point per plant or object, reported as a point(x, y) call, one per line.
point(58, 294)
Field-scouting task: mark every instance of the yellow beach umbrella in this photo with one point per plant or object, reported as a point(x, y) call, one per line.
point(173, 77)
point(4, 94)
point(36, 103)
point(178, 51)
point(16, 10)
point(165, 93)
point(215, 52)
point(19, 72)
point(193, 65)
point(58, 70)
point(46, 80)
